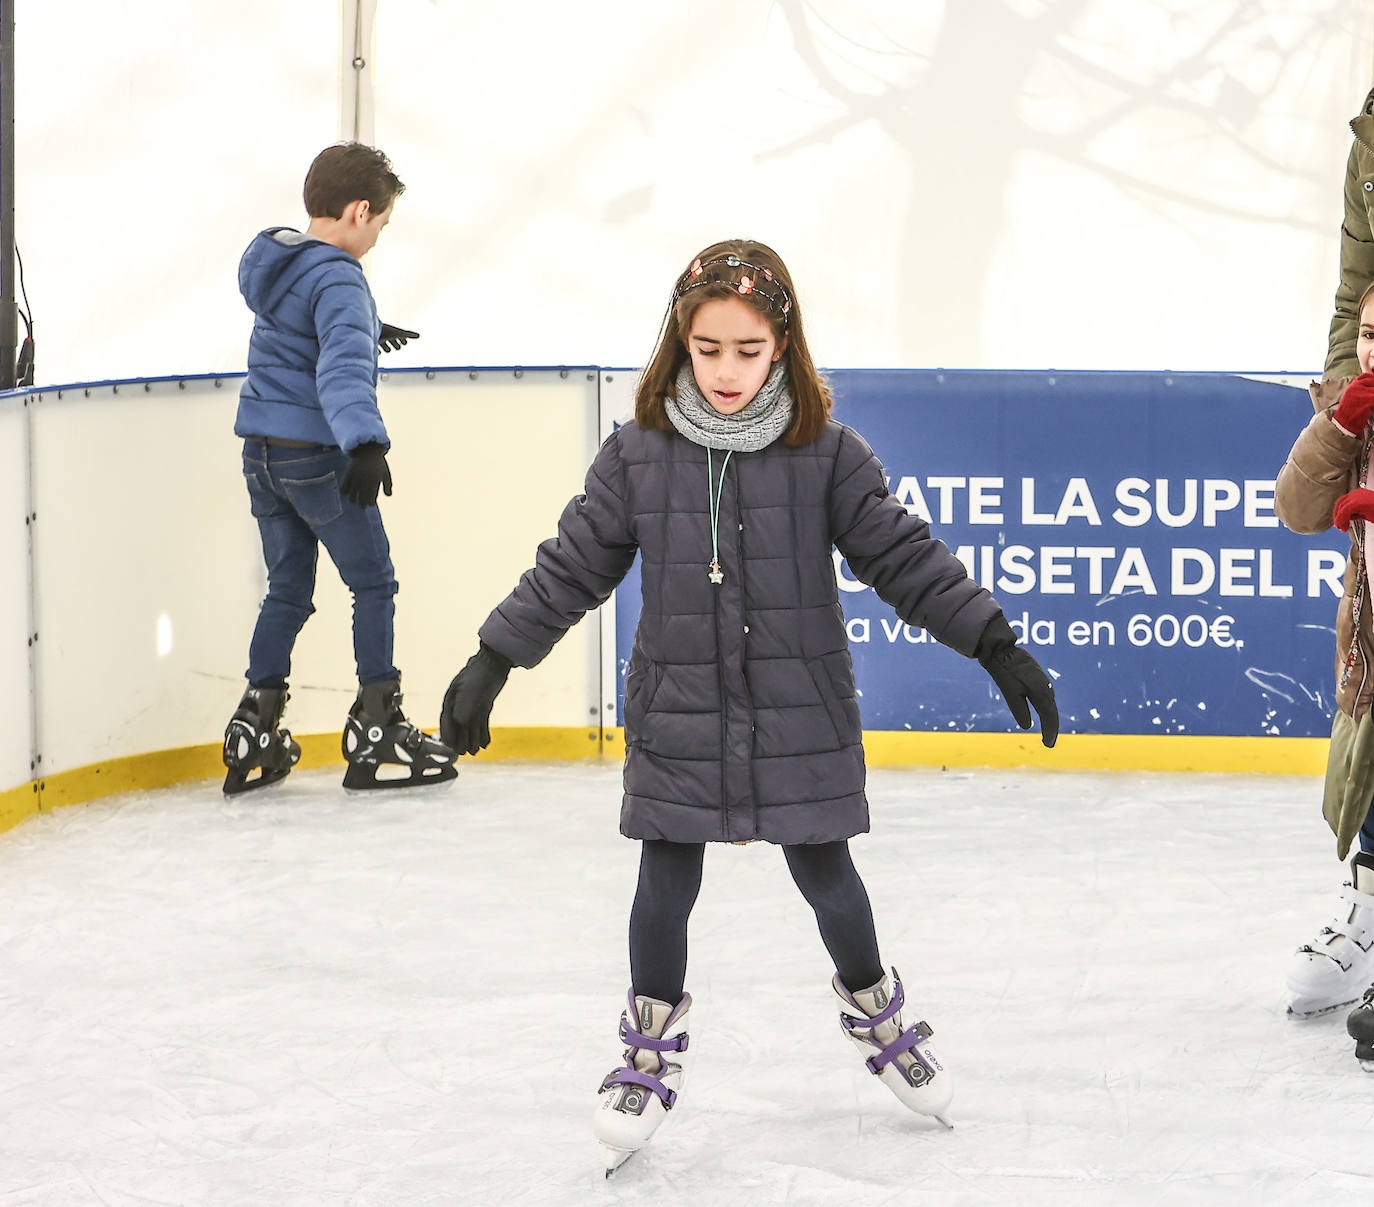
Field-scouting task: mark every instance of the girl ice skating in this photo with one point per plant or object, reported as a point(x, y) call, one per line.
point(733, 484)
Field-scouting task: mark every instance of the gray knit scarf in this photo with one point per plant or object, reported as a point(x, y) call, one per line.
point(767, 416)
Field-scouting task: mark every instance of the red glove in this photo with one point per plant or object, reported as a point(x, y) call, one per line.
point(1356, 404)
point(1358, 504)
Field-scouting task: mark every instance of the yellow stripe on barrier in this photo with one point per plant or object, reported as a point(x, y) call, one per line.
point(884, 748)
point(1099, 752)
point(17, 804)
point(163, 768)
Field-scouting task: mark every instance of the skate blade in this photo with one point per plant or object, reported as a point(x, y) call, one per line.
point(944, 1121)
point(236, 781)
point(615, 1157)
point(1319, 1011)
point(365, 777)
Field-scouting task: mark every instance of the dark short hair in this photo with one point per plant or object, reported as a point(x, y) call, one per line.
point(348, 172)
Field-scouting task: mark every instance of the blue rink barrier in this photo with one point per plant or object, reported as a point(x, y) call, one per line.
point(1125, 523)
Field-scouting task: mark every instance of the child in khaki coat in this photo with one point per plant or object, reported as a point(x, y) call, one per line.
point(1328, 480)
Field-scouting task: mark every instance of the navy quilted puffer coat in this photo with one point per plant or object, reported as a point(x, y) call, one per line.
point(740, 717)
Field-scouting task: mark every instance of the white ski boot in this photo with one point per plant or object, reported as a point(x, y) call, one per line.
point(901, 1058)
point(635, 1098)
point(1336, 967)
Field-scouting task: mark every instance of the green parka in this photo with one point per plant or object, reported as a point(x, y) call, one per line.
point(1357, 246)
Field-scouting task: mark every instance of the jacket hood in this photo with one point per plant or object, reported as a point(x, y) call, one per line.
point(276, 259)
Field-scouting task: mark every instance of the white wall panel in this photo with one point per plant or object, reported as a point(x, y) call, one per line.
point(149, 570)
point(483, 468)
point(16, 731)
point(141, 544)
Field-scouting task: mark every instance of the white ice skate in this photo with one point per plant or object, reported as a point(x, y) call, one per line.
point(1336, 967)
point(635, 1098)
point(901, 1058)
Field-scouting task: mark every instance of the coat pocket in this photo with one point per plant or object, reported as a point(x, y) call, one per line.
point(641, 685)
point(834, 681)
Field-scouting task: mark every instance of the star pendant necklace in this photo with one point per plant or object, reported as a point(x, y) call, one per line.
point(714, 492)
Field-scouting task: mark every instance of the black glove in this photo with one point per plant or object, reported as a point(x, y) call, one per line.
point(463, 724)
point(367, 470)
point(392, 338)
point(1019, 678)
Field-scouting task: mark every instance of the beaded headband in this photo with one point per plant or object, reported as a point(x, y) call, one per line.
point(778, 296)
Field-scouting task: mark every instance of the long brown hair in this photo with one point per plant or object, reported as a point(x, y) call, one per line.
point(810, 394)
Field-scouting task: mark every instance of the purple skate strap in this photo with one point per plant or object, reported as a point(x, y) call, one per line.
point(637, 1039)
point(907, 1040)
point(850, 1023)
point(632, 1076)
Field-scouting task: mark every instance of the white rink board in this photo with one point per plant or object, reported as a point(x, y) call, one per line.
point(482, 467)
point(143, 517)
point(16, 709)
point(149, 567)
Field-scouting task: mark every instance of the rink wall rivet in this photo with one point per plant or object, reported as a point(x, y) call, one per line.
point(181, 385)
point(520, 372)
point(147, 387)
point(218, 383)
point(1168, 381)
point(386, 376)
point(59, 393)
point(88, 393)
point(591, 376)
point(113, 390)
point(610, 376)
point(472, 376)
point(359, 64)
point(940, 378)
point(429, 374)
point(562, 372)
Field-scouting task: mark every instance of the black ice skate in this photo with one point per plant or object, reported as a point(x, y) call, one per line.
point(256, 752)
point(384, 750)
point(1359, 1024)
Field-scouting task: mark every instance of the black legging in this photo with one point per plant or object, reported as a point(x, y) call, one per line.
point(670, 876)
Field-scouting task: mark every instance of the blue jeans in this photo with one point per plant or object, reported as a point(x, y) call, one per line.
point(294, 493)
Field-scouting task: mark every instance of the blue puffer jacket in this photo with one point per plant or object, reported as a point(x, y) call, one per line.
point(740, 716)
point(312, 359)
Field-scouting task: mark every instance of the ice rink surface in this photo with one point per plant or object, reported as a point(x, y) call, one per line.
point(306, 997)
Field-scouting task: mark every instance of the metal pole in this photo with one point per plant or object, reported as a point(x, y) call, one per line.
point(357, 19)
point(9, 311)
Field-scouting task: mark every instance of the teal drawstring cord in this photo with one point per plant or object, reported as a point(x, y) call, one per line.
point(714, 493)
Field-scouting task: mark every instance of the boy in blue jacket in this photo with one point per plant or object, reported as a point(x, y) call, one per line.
point(314, 456)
